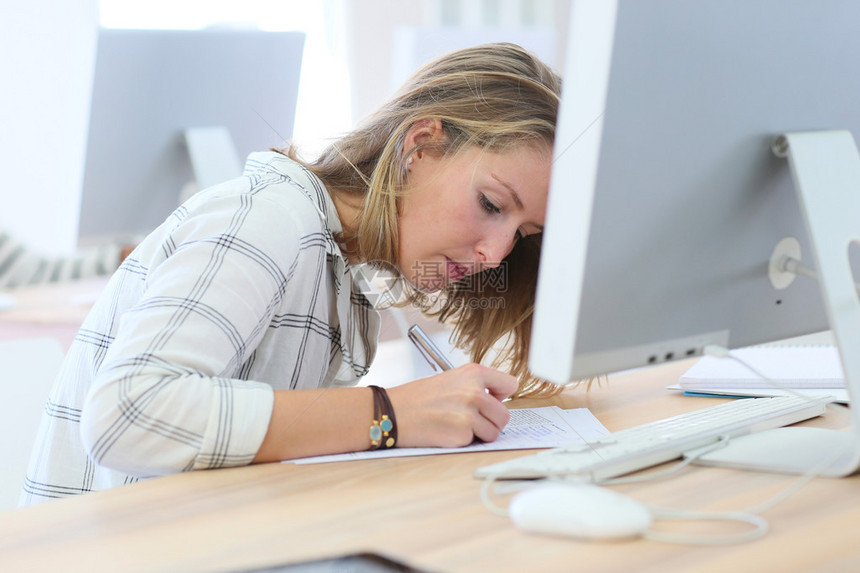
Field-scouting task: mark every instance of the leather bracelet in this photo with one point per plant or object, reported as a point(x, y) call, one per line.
point(383, 428)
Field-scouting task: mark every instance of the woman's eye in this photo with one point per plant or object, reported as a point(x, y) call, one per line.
point(488, 205)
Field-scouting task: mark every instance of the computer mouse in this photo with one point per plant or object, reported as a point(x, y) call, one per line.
point(584, 511)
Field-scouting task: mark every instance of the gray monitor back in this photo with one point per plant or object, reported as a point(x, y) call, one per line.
point(688, 200)
point(149, 86)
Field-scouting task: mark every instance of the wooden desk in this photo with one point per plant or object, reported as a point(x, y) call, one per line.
point(425, 511)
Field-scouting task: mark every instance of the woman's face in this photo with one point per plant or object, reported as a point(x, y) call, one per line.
point(463, 214)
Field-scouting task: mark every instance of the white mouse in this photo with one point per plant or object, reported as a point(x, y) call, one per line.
point(578, 510)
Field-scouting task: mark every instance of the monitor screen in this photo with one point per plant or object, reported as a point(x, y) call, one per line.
point(666, 200)
point(150, 86)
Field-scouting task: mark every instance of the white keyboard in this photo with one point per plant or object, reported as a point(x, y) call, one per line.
point(650, 444)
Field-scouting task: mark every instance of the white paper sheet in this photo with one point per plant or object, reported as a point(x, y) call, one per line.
point(528, 428)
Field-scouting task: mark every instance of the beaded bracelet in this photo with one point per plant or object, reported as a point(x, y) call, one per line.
point(383, 429)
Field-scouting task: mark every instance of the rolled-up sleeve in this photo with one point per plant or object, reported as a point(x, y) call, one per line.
point(168, 395)
point(242, 291)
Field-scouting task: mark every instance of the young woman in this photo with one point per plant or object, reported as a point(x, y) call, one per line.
point(234, 332)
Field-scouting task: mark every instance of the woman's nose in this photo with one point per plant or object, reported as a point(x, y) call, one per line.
point(492, 250)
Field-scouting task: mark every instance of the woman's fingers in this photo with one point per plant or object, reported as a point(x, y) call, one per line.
point(492, 419)
point(453, 408)
point(499, 384)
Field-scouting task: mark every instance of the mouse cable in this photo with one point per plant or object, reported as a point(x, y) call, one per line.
point(760, 527)
point(749, 515)
point(813, 472)
point(485, 495)
point(565, 477)
point(802, 480)
point(759, 524)
point(722, 442)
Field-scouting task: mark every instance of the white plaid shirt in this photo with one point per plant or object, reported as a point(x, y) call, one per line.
point(241, 291)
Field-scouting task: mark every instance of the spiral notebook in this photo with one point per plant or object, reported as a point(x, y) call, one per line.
point(811, 370)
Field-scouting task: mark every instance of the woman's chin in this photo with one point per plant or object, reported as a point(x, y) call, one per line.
point(425, 278)
point(428, 286)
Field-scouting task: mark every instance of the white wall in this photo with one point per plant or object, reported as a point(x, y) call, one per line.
point(388, 39)
point(47, 52)
point(371, 25)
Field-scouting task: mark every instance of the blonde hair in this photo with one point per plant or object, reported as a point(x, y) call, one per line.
point(498, 97)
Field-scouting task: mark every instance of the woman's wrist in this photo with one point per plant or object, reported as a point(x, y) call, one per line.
point(383, 426)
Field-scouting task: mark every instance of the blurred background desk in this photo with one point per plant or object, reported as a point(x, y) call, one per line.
point(34, 336)
point(53, 310)
point(427, 512)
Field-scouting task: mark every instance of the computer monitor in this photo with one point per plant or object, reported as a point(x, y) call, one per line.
point(235, 90)
point(668, 198)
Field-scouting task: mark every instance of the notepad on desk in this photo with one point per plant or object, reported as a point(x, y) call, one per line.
point(811, 370)
point(542, 427)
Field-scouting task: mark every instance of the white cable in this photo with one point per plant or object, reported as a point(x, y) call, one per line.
point(812, 472)
point(722, 352)
point(759, 524)
point(721, 443)
point(748, 516)
point(485, 496)
point(792, 265)
point(760, 527)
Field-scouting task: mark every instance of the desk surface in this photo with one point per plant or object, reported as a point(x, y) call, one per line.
point(426, 512)
point(54, 310)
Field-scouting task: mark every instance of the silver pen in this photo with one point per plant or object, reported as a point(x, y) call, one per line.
point(428, 350)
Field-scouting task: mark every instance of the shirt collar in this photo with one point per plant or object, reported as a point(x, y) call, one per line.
point(303, 179)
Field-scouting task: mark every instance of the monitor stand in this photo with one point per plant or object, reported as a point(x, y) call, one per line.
point(825, 167)
point(213, 155)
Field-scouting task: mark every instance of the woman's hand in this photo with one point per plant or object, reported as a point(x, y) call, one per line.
point(447, 410)
point(453, 408)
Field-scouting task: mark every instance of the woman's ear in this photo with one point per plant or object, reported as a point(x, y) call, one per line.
point(420, 134)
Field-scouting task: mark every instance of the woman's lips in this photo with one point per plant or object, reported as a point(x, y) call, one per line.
point(456, 271)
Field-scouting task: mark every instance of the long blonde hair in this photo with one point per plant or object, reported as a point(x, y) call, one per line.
point(498, 97)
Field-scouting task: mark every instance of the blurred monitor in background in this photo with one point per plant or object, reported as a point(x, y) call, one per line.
point(235, 90)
